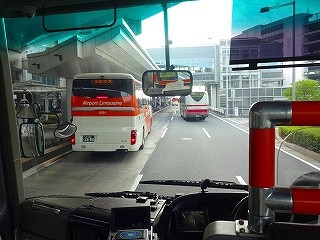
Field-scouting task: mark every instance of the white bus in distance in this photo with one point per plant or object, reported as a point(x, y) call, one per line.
point(175, 101)
point(110, 112)
point(195, 105)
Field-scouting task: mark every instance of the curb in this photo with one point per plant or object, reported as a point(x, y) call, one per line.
point(31, 166)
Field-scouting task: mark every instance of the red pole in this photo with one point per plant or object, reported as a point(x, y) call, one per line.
point(306, 113)
point(264, 116)
point(306, 200)
point(261, 159)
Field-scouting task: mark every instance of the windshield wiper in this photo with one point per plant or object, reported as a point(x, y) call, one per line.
point(125, 194)
point(130, 194)
point(203, 184)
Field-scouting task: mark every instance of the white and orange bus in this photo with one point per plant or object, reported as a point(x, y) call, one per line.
point(175, 101)
point(195, 105)
point(110, 111)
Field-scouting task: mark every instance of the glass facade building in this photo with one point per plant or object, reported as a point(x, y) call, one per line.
point(210, 68)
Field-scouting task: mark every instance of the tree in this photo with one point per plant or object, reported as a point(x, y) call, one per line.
point(306, 90)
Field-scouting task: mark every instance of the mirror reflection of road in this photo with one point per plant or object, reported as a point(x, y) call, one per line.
point(216, 148)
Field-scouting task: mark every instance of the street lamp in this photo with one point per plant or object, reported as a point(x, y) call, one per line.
point(293, 4)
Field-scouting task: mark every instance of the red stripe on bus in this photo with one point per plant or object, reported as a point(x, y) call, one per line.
point(194, 105)
point(165, 82)
point(196, 111)
point(127, 101)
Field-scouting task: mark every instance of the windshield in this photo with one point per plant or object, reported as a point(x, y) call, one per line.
point(121, 142)
point(274, 31)
point(96, 88)
point(197, 96)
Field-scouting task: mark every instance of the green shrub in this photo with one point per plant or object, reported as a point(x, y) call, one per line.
point(307, 137)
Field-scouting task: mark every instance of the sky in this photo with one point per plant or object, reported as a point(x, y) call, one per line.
point(205, 22)
point(193, 23)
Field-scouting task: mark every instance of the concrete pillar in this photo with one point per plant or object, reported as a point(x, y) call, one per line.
point(46, 103)
point(66, 83)
point(214, 96)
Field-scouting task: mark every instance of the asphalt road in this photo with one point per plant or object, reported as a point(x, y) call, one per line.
point(199, 149)
point(216, 148)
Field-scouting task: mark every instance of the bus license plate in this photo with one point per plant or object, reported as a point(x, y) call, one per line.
point(88, 138)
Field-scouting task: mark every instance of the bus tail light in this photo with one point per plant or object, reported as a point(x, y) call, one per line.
point(73, 139)
point(133, 137)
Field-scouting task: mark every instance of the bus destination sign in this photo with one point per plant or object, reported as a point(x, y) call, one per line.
point(102, 82)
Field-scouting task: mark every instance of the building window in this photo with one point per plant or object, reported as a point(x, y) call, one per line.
point(246, 92)
point(233, 84)
point(255, 83)
point(246, 102)
point(269, 92)
point(262, 92)
point(254, 100)
point(277, 92)
point(245, 83)
point(238, 93)
point(254, 92)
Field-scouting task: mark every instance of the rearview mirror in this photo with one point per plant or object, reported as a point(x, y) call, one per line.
point(32, 139)
point(65, 130)
point(29, 112)
point(167, 82)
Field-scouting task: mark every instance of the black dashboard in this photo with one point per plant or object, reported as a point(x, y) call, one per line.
point(129, 215)
point(186, 217)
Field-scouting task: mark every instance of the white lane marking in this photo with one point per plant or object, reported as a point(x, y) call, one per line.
point(241, 180)
point(300, 159)
point(236, 122)
point(284, 151)
point(186, 139)
point(206, 132)
point(136, 182)
point(230, 123)
point(173, 115)
point(164, 133)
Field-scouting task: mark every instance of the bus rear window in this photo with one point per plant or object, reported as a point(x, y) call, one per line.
point(102, 88)
point(197, 96)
